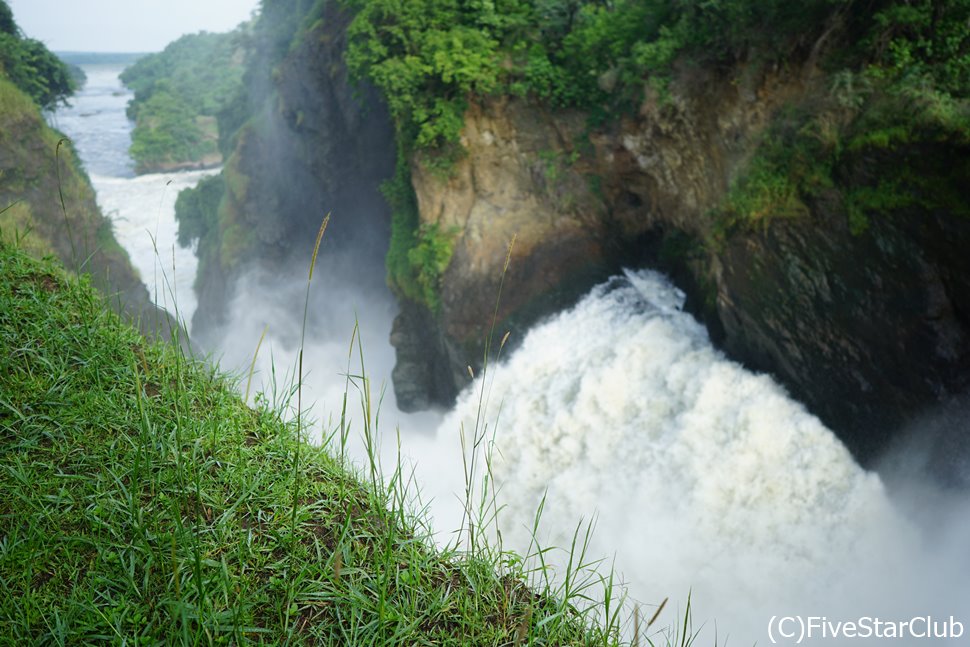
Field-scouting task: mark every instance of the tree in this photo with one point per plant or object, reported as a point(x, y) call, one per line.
point(31, 66)
point(7, 24)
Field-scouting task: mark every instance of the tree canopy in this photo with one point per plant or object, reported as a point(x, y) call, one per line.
point(429, 56)
point(178, 94)
point(31, 66)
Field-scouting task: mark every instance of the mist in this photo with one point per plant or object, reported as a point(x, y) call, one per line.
point(703, 482)
point(349, 313)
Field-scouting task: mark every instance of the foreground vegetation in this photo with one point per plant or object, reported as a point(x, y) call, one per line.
point(142, 502)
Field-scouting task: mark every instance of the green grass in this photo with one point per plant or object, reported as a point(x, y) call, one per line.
point(142, 502)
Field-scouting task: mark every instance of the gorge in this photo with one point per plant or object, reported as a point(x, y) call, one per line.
point(687, 181)
point(842, 277)
point(813, 217)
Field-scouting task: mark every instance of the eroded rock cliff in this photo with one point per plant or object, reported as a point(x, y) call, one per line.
point(314, 144)
point(866, 324)
point(582, 202)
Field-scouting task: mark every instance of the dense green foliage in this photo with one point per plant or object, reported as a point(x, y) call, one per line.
point(399, 193)
point(7, 23)
point(142, 502)
point(427, 260)
point(198, 67)
point(31, 66)
point(430, 56)
point(909, 89)
point(896, 75)
point(178, 94)
point(899, 73)
point(167, 131)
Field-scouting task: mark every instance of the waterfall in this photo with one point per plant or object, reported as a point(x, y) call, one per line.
point(703, 479)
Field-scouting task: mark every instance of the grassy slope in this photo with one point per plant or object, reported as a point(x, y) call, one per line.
point(141, 501)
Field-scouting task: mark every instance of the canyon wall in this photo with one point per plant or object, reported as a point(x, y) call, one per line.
point(868, 327)
point(310, 144)
point(815, 219)
point(47, 206)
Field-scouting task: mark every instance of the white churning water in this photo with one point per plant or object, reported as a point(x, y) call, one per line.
point(703, 477)
point(142, 208)
point(142, 213)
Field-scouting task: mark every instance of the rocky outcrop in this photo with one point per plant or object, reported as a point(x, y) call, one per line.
point(579, 202)
point(316, 144)
point(867, 328)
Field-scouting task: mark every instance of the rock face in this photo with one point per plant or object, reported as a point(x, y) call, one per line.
point(315, 144)
point(867, 328)
point(580, 203)
point(511, 184)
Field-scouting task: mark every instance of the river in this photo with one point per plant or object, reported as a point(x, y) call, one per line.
point(704, 481)
point(141, 208)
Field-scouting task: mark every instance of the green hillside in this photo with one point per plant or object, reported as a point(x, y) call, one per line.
point(179, 92)
point(47, 202)
point(142, 502)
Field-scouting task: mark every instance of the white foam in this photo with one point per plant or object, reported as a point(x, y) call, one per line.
point(142, 213)
point(703, 477)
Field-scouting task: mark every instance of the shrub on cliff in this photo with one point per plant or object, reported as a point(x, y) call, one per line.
point(167, 131)
point(905, 86)
point(429, 57)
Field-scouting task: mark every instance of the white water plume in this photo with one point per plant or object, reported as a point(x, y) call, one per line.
point(704, 478)
point(340, 312)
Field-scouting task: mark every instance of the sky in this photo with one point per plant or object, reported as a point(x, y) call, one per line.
point(124, 25)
